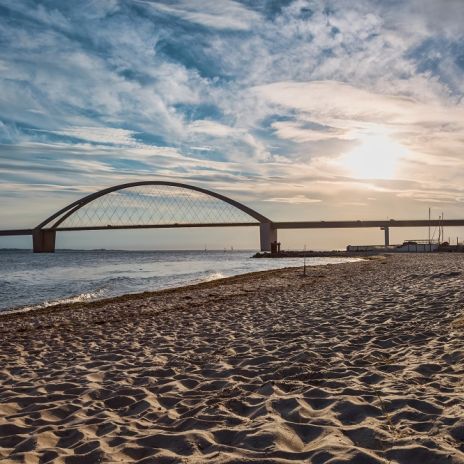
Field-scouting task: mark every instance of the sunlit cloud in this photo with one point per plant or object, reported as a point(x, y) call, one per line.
point(297, 199)
point(299, 132)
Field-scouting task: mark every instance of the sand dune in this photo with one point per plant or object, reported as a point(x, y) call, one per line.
point(355, 363)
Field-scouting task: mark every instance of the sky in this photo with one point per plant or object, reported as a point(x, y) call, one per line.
point(303, 110)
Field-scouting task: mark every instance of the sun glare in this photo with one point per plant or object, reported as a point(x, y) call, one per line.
point(377, 157)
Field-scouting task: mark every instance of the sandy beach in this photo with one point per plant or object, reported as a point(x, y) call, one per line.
point(354, 363)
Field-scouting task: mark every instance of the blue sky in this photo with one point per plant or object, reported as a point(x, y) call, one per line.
point(302, 109)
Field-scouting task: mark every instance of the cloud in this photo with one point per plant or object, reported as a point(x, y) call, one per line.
point(225, 15)
point(103, 135)
point(330, 101)
point(297, 132)
point(424, 134)
point(212, 128)
point(297, 199)
point(428, 17)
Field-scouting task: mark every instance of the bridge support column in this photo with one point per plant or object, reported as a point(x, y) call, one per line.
point(43, 241)
point(387, 235)
point(267, 235)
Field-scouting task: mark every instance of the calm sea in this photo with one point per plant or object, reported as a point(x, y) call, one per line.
point(38, 280)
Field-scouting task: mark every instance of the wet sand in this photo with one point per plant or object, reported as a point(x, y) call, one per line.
point(360, 362)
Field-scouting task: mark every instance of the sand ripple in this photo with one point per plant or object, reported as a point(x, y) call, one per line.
point(355, 363)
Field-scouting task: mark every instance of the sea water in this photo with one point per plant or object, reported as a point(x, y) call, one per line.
point(29, 280)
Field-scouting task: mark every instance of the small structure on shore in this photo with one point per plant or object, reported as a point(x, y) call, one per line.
point(275, 247)
point(408, 246)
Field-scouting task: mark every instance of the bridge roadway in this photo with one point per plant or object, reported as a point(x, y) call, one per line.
point(384, 225)
point(275, 225)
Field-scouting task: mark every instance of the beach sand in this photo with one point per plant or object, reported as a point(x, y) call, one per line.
point(360, 362)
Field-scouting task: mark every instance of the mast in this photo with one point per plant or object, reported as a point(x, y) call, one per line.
point(439, 229)
point(442, 227)
point(430, 246)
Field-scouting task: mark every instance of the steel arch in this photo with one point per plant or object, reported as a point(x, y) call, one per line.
point(72, 208)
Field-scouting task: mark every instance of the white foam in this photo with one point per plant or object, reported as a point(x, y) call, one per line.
point(214, 276)
point(88, 296)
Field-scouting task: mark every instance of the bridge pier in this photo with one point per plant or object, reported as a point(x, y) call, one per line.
point(267, 235)
point(43, 241)
point(387, 235)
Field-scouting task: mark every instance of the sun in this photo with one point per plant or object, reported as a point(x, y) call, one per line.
point(376, 157)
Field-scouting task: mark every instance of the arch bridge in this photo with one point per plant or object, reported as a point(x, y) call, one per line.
point(160, 204)
point(148, 205)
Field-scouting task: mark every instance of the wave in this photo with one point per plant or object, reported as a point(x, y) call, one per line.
point(87, 296)
point(213, 276)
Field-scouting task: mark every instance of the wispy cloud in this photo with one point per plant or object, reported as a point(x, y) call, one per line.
point(212, 128)
point(105, 135)
point(297, 199)
point(224, 15)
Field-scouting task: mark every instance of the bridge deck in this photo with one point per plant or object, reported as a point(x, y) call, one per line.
point(276, 225)
point(16, 232)
point(366, 224)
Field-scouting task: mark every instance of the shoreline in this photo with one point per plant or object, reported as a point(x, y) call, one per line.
point(134, 296)
point(317, 254)
point(354, 362)
point(249, 277)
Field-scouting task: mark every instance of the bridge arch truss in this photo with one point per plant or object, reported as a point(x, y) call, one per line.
point(150, 204)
